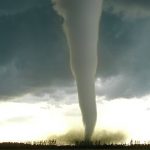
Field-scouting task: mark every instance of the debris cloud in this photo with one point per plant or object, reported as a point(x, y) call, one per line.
point(100, 137)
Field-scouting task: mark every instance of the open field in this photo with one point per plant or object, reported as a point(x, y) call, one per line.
point(22, 146)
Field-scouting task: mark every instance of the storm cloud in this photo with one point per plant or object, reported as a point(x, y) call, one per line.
point(34, 53)
point(32, 50)
point(129, 8)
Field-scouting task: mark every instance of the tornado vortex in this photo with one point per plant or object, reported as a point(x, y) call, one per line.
point(81, 26)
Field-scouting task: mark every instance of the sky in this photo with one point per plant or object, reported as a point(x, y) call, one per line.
point(38, 96)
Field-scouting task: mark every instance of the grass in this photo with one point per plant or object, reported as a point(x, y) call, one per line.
point(51, 145)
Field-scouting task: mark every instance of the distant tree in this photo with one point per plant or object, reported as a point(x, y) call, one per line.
point(131, 142)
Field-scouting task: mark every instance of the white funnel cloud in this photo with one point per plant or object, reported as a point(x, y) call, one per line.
point(81, 26)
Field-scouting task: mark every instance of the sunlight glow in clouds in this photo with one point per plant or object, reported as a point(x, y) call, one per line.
point(35, 121)
point(129, 115)
point(25, 122)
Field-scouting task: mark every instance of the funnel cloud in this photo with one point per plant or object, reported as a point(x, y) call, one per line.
point(81, 26)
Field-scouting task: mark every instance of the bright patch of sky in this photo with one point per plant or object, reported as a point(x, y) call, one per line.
point(22, 121)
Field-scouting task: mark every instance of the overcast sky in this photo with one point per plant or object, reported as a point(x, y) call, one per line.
point(34, 56)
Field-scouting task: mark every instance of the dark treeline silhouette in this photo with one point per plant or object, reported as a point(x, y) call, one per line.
point(135, 145)
point(52, 144)
point(29, 145)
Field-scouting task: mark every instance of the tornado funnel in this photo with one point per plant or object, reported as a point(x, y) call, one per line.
point(81, 26)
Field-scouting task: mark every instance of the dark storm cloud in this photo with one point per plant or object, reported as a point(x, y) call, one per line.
point(34, 53)
point(124, 57)
point(32, 50)
point(9, 7)
point(124, 49)
point(128, 8)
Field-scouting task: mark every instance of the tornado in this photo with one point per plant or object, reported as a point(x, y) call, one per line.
point(81, 26)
